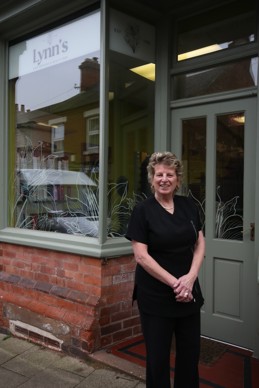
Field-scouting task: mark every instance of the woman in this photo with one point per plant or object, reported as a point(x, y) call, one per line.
point(168, 246)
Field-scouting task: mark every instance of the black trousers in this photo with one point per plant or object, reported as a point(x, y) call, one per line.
point(158, 333)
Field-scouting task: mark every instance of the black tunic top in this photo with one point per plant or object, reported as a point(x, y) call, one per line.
point(170, 239)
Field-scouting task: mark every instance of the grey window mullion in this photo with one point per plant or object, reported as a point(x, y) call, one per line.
point(103, 150)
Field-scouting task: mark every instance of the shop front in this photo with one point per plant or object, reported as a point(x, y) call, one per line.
point(91, 89)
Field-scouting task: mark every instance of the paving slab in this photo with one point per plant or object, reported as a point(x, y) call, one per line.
point(27, 365)
point(50, 378)
point(72, 365)
point(107, 378)
point(10, 379)
point(32, 361)
point(14, 345)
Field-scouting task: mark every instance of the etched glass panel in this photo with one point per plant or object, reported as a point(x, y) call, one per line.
point(194, 160)
point(229, 176)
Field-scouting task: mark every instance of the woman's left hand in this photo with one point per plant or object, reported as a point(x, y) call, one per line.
point(184, 297)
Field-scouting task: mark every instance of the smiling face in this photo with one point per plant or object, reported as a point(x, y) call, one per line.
point(165, 181)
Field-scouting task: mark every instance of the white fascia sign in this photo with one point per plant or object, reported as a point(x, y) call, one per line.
point(62, 44)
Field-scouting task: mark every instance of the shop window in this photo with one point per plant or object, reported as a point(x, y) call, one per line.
point(54, 78)
point(131, 116)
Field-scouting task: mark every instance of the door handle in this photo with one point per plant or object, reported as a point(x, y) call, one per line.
point(251, 230)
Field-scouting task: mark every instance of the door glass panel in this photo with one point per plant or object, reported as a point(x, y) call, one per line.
point(194, 160)
point(229, 176)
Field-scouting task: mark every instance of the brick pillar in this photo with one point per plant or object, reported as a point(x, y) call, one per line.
point(119, 319)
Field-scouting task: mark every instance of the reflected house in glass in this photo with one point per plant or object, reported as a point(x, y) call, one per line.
point(54, 190)
point(60, 192)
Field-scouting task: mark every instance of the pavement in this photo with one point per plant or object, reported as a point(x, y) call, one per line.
point(27, 365)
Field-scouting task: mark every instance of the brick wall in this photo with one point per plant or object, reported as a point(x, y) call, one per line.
point(82, 302)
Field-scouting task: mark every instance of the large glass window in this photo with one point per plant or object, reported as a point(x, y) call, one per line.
point(54, 83)
point(54, 86)
point(131, 115)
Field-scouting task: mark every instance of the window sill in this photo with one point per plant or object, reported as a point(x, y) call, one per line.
point(87, 246)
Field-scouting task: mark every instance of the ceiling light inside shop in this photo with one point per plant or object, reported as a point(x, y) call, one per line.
point(239, 119)
point(146, 71)
point(111, 96)
point(199, 52)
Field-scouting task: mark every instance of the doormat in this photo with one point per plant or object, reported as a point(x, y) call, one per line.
point(211, 351)
point(221, 365)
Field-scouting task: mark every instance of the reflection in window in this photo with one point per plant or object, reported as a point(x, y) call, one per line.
point(194, 161)
point(54, 81)
point(92, 131)
point(232, 76)
point(57, 137)
point(229, 171)
point(131, 115)
point(230, 176)
point(220, 28)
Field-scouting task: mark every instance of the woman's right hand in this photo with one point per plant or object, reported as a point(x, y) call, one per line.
point(183, 293)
